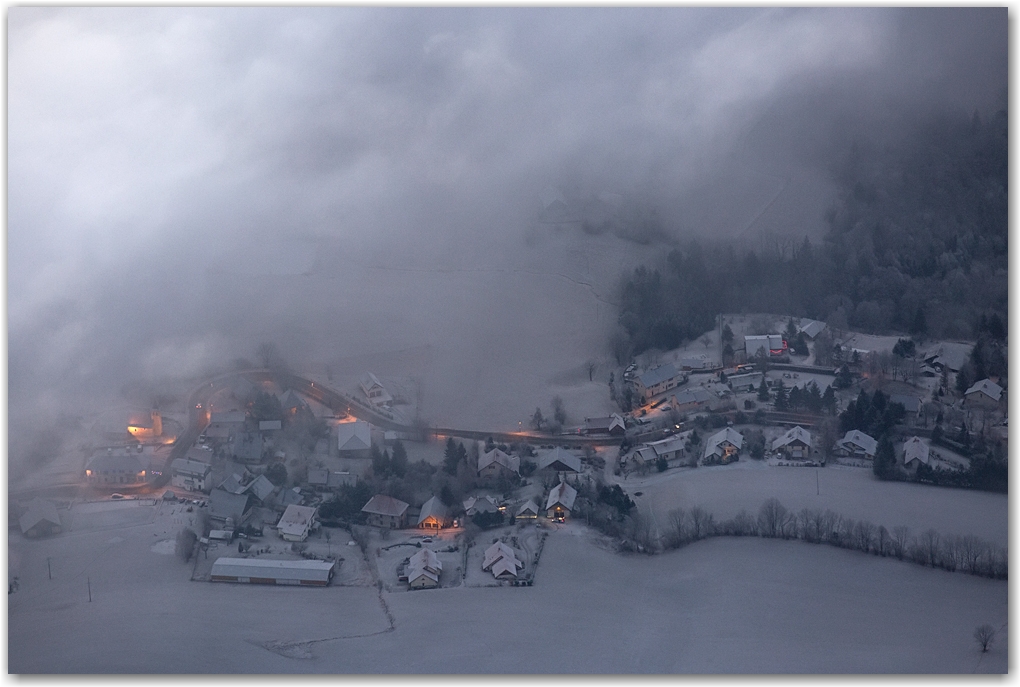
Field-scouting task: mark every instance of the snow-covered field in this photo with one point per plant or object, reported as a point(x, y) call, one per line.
point(706, 608)
point(853, 492)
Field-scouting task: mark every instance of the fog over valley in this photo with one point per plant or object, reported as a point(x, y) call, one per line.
point(510, 217)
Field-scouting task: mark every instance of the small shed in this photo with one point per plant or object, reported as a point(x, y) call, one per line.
point(41, 519)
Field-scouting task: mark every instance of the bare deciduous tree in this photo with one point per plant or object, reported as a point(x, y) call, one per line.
point(984, 635)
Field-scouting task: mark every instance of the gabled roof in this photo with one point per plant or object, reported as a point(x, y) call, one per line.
point(861, 440)
point(604, 424)
point(528, 507)
point(949, 354)
point(504, 567)
point(511, 463)
point(380, 504)
point(288, 496)
point(915, 449)
point(296, 520)
point(481, 504)
point(426, 559)
point(39, 510)
point(247, 446)
point(416, 571)
point(562, 494)
point(500, 551)
point(223, 505)
point(797, 433)
point(725, 435)
point(559, 460)
point(668, 445)
point(433, 508)
point(658, 375)
point(811, 328)
point(354, 436)
point(370, 381)
point(261, 487)
point(986, 387)
point(232, 484)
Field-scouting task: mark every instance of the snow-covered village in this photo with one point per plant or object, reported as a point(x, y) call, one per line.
point(592, 439)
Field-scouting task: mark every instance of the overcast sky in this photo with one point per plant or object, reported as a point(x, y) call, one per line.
point(148, 145)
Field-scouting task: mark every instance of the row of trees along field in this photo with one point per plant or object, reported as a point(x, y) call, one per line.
point(917, 242)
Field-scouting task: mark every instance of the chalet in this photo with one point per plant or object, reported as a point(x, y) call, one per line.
point(560, 502)
point(354, 439)
point(245, 447)
point(190, 474)
point(480, 504)
point(795, 444)
point(224, 507)
point(692, 400)
point(434, 515)
point(147, 427)
point(117, 466)
point(810, 328)
point(767, 344)
point(723, 446)
point(559, 461)
point(748, 381)
point(612, 425)
point(305, 573)
point(424, 569)
point(40, 520)
point(374, 391)
point(501, 560)
point(495, 463)
point(856, 444)
point(985, 394)
point(528, 511)
point(657, 381)
point(296, 523)
point(915, 454)
point(386, 511)
point(223, 424)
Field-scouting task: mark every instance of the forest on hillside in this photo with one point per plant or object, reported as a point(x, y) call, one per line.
point(916, 243)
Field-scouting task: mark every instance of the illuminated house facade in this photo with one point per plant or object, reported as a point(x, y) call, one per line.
point(148, 428)
point(117, 466)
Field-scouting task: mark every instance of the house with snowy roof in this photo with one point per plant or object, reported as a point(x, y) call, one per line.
point(723, 446)
point(657, 380)
point(495, 463)
point(765, 344)
point(40, 519)
point(915, 454)
point(502, 561)
point(612, 425)
point(856, 444)
point(795, 444)
point(424, 569)
point(374, 391)
point(296, 523)
point(190, 474)
point(480, 504)
point(527, 511)
point(986, 395)
point(810, 328)
point(354, 439)
point(559, 461)
point(560, 502)
point(434, 515)
point(385, 511)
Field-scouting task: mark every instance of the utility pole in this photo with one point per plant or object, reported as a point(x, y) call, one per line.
point(49, 571)
point(818, 489)
point(89, 580)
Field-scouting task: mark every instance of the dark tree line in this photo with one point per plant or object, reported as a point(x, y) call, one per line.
point(917, 242)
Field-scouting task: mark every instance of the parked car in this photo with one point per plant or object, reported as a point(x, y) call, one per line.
point(116, 496)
